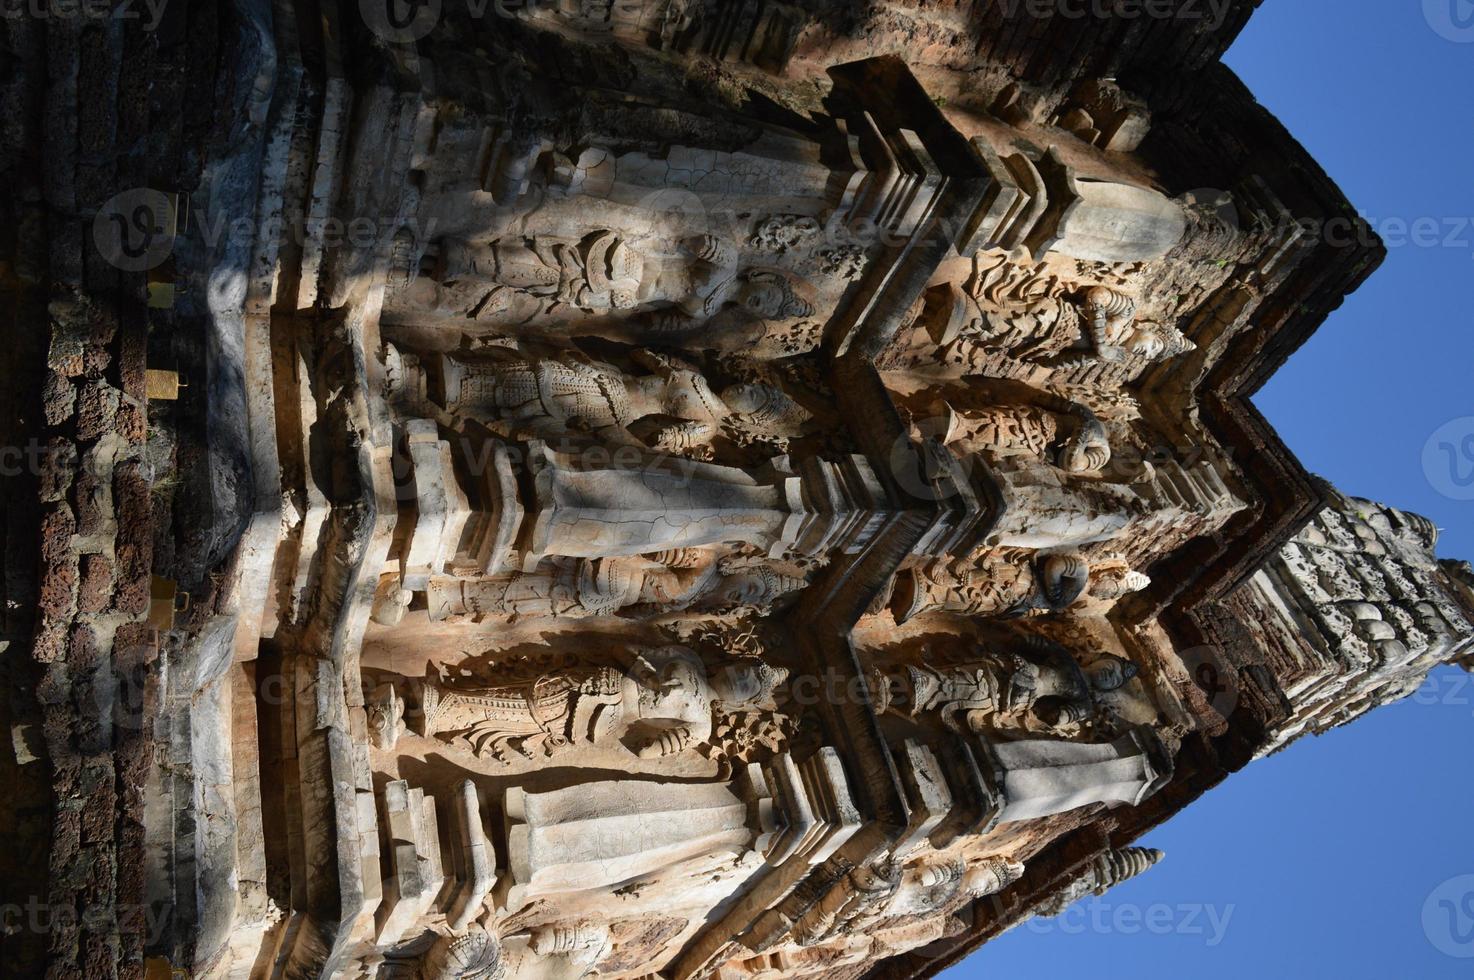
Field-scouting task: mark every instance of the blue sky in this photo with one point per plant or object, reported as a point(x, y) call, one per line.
point(1319, 862)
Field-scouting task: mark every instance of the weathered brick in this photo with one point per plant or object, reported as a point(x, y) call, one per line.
point(58, 399)
point(132, 421)
point(55, 463)
point(97, 409)
point(89, 496)
point(59, 564)
point(94, 592)
point(134, 549)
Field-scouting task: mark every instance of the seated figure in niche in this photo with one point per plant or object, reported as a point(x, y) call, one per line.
point(662, 704)
point(1038, 688)
point(587, 587)
point(512, 282)
point(1010, 586)
point(547, 397)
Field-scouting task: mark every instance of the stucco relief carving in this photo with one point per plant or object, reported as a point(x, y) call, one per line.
point(662, 704)
point(852, 392)
point(1033, 315)
point(1052, 322)
point(545, 280)
point(385, 717)
point(568, 394)
point(873, 897)
point(1036, 687)
point(1075, 441)
point(583, 588)
point(1012, 585)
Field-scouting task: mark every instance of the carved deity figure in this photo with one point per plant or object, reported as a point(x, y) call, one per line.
point(1040, 688)
point(582, 588)
point(385, 709)
point(662, 704)
point(1010, 586)
point(873, 895)
point(547, 397)
point(1100, 320)
point(1075, 443)
point(1033, 317)
point(515, 282)
point(928, 886)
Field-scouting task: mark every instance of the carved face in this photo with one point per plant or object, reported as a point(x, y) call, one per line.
point(991, 876)
point(1109, 672)
point(927, 888)
point(1156, 342)
point(741, 684)
point(675, 689)
point(1146, 342)
point(769, 296)
point(1114, 582)
point(764, 407)
point(745, 588)
point(762, 298)
point(687, 396)
point(747, 399)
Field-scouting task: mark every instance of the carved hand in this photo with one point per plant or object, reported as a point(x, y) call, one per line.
point(709, 248)
point(666, 743)
point(684, 436)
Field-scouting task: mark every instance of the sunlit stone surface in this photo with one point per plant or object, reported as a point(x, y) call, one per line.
point(697, 488)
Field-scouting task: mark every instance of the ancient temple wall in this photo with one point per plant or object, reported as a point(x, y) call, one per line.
point(707, 524)
point(437, 703)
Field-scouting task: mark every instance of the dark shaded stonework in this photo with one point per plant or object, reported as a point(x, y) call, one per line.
point(684, 487)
